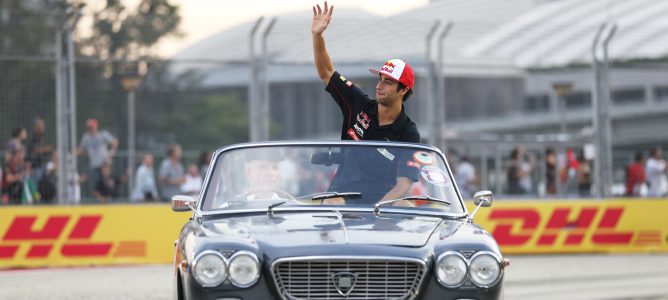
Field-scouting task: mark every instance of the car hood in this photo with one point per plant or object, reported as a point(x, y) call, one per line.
point(325, 228)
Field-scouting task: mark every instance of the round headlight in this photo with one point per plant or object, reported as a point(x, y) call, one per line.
point(485, 270)
point(210, 268)
point(451, 269)
point(244, 269)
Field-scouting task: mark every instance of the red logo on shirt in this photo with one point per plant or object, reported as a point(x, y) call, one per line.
point(352, 134)
point(363, 119)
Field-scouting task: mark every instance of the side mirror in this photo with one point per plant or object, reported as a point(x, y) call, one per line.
point(183, 203)
point(483, 198)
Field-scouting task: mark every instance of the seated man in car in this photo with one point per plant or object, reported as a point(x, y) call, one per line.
point(379, 174)
point(262, 173)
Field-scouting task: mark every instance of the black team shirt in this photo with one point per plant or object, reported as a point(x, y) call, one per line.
point(370, 172)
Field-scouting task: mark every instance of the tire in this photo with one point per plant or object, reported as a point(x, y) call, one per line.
point(178, 288)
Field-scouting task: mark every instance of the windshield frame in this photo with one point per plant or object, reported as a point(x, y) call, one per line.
point(218, 153)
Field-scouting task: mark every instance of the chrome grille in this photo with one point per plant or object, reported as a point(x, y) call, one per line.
point(312, 278)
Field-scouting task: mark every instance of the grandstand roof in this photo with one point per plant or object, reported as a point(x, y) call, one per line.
point(488, 36)
point(356, 36)
point(561, 32)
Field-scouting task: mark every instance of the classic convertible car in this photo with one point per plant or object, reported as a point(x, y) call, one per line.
point(333, 220)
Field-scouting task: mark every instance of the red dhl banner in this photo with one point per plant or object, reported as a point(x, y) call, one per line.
point(88, 235)
point(567, 226)
point(144, 234)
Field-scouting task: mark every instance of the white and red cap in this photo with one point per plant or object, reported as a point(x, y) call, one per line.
point(398, 70)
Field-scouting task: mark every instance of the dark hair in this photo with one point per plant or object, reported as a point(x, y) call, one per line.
point(17, 131)
point(549, 151)
point(172, 148)
point(639, 156)
point(204, 158)
point(655, 151)
point(401, 86)
point(515, 153)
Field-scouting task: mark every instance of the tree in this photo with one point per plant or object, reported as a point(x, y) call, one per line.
point(26, 75)
point(208, 121)
point(120, 37)
point(119, 34)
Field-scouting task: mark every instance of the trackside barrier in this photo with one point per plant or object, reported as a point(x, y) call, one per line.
point(34, 236)
point(573, 226)
point(144, 234)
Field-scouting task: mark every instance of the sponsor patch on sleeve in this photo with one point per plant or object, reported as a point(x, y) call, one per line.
point(348, 83)
point(342, 78)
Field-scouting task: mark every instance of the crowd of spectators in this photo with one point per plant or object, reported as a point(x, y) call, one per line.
point(647, 178)
point(567, 174)
point(29, 172)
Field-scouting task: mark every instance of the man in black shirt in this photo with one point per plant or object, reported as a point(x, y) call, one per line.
point(382, 119)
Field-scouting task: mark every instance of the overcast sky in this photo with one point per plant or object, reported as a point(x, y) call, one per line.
point(202, 18)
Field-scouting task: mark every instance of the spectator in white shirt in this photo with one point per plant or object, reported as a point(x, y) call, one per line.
point(193, 182)
point(466, 177)
point(145, 188)
point(655, 174)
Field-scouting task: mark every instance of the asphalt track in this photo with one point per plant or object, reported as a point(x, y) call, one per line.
point(573, 277)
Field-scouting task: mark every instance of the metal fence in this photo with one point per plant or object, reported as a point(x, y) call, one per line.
point(480, 105)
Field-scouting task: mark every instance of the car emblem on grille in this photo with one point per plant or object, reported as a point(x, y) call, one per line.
point(344, 282)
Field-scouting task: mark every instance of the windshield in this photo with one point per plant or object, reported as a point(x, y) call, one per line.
point(355, 175)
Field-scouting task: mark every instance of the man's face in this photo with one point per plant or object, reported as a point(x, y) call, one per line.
point(262, 175)
point(39, 127)
point(23, 135)
point(148, 160)
point(106, 170)
point(177, 153)
point(551, 159)
point(92, 128)
point(386, 90)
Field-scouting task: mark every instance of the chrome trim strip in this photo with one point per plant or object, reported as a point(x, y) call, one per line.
point(328, 143)
point(436, 266)
point(257, 266)
point(423, 266)
point(501, 268)
point(394, 210)
point(216, 253)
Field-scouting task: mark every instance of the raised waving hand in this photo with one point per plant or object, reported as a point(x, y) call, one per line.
point(321, 18)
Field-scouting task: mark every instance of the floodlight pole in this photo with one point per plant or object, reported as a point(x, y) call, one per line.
point(562, 90)
point(253, 92)
point(61, 120)
point(264, 84)
point(130, 83)
point(71, 157)
point(601, 114)
point(439, 104)
point(65, 76)
point(431, 93)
